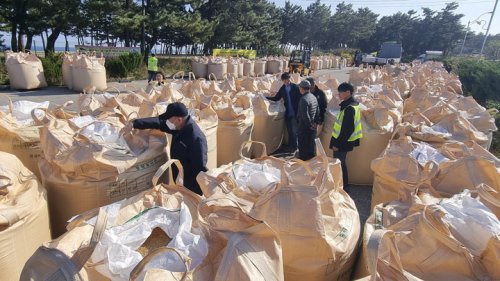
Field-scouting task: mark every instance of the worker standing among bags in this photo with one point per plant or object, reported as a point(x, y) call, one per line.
point(322, 103)
point(152, 67)
point(290, 94)
point(347, 129)
point(189, 144)
point(307, 116)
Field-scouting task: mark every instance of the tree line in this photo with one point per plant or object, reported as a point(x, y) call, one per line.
point(197, 26)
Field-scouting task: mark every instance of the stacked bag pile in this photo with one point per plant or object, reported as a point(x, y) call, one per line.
point(116, 214)
point(435, 194)
point(81, 71)
point(327, 62)
point(223, 67)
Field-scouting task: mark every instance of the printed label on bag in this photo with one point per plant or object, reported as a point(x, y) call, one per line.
point(344, 231)
point(32, 150)
point(136, 179)
point(17, 144)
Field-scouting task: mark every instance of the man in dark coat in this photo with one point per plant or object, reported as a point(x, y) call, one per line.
point(307, 116)
point(189, 144)
point(322, 102)
point(290, 94)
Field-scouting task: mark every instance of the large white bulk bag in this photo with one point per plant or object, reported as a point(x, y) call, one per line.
point(25, 71)
point(218, 66)
point(248, 68)
point(200, 67)
point(88, 71)
point(319, 239)
point(236, 121)
point(162, 220)
point(24, 216)
point(260, 68)
point(371, 146)
point(90, 162)
point(274, 66)
point(67, 65)
point(19, 136)
point(241, 69)
point(314, 64)
point(233, 68)
point(269, 122)
point(427, 237)
point(326, 63)
point(285, 61)
point(19, 133)
point(207, 119)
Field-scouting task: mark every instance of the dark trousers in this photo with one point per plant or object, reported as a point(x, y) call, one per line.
point(292, 128)
point(307, 146)
point(342, 155)
point(151, 75)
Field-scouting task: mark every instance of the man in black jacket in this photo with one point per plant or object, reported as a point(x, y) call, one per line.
point(347, 130)
point(290, 94)
point(189, 144)
point(307, 116)
point(322, 103)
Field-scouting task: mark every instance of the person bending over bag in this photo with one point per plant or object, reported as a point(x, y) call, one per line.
point(189, 144)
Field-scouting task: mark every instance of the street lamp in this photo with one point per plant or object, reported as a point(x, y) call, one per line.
point(488, 30)
point(467, 30)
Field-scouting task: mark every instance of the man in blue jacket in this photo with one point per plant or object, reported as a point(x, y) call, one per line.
point(290, 94)
point(189, 144)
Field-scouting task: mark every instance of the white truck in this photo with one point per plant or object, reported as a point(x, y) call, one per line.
point(390, 53)
point(430, 55)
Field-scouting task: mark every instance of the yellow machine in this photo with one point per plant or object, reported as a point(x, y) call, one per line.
point(300, 61)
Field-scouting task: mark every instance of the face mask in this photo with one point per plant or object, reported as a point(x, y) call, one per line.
point(170, 125)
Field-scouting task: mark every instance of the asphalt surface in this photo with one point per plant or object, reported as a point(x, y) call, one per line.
point(59, 95)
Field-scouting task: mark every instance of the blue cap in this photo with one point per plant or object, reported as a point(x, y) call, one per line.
point(176, 109)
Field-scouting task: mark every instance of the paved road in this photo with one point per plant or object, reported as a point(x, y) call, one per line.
point(60, 95)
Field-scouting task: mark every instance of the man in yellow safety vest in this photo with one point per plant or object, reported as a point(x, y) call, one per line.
point(152, 67)
point(347, 129)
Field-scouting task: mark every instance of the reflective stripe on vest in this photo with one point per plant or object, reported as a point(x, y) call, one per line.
point(358, 128)
point(153, 64)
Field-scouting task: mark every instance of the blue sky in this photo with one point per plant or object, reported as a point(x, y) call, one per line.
point(471, 9)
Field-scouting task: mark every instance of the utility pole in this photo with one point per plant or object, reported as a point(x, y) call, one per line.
point(143, 32)
point(468, 28)
point(488, 30)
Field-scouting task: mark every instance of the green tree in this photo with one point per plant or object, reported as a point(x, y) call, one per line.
point(171, 15)
point(397, 27)
point(492, 48)
point(14, 13)
point(363, 27)
point(339, 26)
point(100, 18)
point(292, 20)
point(243, 24)
point(57, 17)
point(316, 24)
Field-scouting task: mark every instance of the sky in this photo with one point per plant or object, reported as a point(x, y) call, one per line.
point(471, 9)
